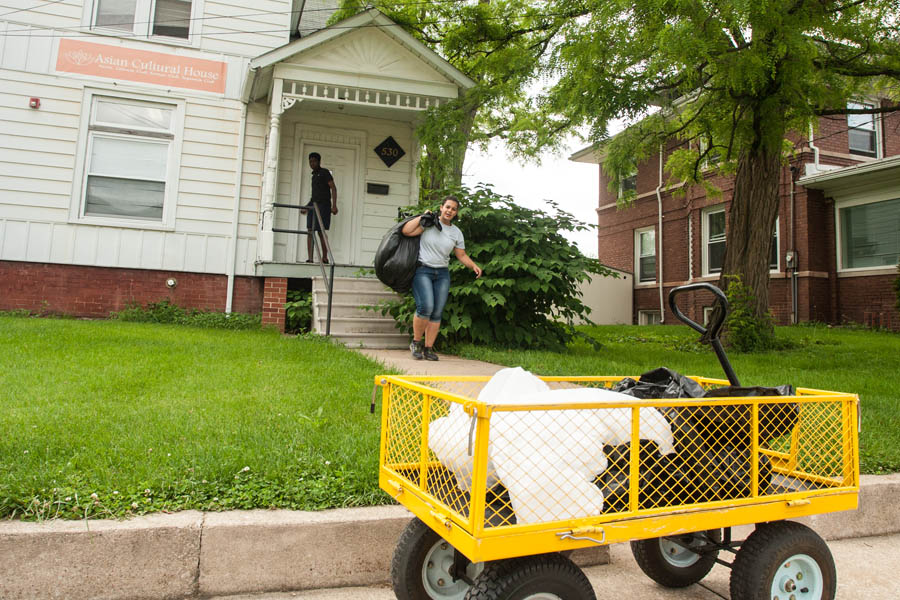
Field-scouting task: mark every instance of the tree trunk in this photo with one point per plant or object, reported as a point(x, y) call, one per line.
point(751, 224)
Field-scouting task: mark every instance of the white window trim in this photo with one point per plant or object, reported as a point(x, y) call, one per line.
point(704, 224)
point(622, 187)
point(777, 267)
point(838, 233)
point(76, 207)
point(879, 131)
point(144, 25)
point(637, 256)
point(644, 317)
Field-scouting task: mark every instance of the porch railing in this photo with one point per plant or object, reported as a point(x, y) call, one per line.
point(321, 253)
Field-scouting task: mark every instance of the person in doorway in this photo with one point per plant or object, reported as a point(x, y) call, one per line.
point(323, 193)
point(431, 282)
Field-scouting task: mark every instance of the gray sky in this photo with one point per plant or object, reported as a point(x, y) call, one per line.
point(572, 185)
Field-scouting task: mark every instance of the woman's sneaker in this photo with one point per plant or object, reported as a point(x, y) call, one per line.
point(430, 355)
point(417, 349)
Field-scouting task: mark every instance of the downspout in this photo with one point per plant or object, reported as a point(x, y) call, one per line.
point(659, 235)
point(794, 263)
point(814, 149)
point(236, 211)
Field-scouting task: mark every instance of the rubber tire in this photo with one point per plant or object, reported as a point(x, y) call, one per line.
point(653, 562)
point(521, 578)
point(413, 546)
point(763, 552)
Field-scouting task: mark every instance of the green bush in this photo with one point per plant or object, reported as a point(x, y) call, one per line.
point(528, 294)
point(165, 311)
point(298, 311)
point(744, 331)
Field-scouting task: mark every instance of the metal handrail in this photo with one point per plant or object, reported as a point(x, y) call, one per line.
point(329, 278)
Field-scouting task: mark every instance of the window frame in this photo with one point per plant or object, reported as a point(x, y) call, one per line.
point(839, 231)
point(777, 240)
point(876, 128)
point(85, 141)
point(638, 256)
point(644, 317)
point(142, 27)
point(704, 225)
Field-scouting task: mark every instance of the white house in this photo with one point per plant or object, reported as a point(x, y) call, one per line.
point(147, 145)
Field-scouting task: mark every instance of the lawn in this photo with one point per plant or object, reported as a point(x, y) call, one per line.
point(853, 360)
point(108, 419)
point(105, 418)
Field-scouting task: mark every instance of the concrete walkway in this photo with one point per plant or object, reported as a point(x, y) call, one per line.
point(192, 554)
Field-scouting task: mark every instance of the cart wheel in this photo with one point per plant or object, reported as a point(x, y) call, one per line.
point(671, 564)
point(783, 561)
point(541, 577)
point(420, 569)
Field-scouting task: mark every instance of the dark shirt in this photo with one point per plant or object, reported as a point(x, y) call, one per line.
point(321, 193)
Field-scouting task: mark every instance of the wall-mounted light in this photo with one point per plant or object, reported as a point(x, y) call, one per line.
point(171, 283)
point(34, 102)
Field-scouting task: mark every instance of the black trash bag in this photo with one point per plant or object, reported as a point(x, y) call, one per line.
point(396, 257)
point(614, 481)
point(733, 422)
point(430, 219)
point(660, 383)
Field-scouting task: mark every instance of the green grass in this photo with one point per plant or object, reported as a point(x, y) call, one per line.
point(104, 418)
point(860, 361)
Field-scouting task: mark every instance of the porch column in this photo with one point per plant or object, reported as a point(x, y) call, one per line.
point(266, 245)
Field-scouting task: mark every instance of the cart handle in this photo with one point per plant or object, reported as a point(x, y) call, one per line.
point(714, 328)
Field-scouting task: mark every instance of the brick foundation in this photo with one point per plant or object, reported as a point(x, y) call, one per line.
point(97, 291)
point(274, 297)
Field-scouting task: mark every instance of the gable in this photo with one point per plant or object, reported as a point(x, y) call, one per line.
point(367, 51)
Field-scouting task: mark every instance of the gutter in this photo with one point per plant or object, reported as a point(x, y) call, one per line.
point(659, 229)
point(236, 211)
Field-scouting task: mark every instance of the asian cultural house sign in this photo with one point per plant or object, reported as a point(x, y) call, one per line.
point(101, 60)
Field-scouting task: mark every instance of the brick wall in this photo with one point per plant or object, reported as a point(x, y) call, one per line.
point(97, 291)
point(274, 297)
point(868, 300)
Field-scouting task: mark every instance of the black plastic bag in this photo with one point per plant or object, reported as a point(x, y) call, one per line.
point(396, 257)
point(660, 383)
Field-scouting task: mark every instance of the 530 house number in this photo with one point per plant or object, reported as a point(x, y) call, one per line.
point(389, 151)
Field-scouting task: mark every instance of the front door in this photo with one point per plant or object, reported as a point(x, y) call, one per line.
point(341, 161)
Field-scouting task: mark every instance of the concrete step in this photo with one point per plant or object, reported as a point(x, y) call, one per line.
point(348, 309)
point(352, 284)
point(373, 340)
point(341, 325)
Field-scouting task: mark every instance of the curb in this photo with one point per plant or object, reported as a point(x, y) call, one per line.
point(195, 554)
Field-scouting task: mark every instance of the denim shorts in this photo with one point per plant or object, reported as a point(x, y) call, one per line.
point(312, 224)
point(430, 287)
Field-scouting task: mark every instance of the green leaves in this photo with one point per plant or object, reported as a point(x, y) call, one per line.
point(529, 289)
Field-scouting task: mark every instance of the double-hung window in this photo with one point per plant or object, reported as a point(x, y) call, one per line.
point(862, 131)
point(713, 239)
point(143, 18)
point(869, 234)
point(645, 254)
point(130, 161)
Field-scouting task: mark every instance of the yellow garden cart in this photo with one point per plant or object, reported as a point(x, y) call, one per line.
point(502, 491)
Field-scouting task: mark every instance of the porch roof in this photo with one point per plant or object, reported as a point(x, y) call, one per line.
point(875, 173)
point(389, 68)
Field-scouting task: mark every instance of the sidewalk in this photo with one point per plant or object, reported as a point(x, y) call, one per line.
point(866, 570)
point(192, 554)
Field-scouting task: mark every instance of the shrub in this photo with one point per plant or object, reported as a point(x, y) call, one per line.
point(298, 311)
point(165, 311)
point(528, 294)
point(744, 331)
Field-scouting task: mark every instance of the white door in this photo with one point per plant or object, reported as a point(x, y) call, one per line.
point(341, 161)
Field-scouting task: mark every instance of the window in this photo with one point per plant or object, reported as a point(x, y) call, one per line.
point(707, 314)
point(713, 239)
point(168, 18)
point(869, 234)
point(649, 317)
point(645, 254)
point(861, 131)
point(628, 185)
point(773, 255)
point(129, 161)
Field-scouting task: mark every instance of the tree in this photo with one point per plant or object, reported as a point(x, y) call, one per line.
point(739, 76)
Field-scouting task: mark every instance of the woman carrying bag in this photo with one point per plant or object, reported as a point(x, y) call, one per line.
point(431, 282)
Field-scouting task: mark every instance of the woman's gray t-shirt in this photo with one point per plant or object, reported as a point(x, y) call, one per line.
point(435, 246)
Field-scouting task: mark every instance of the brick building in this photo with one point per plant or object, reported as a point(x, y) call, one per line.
point(834, 250)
